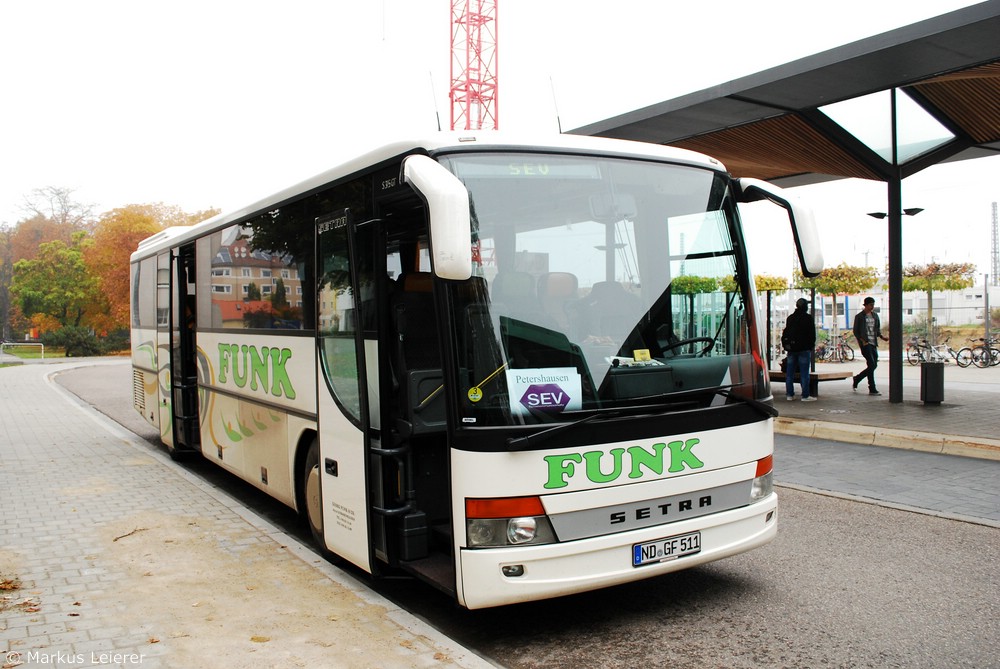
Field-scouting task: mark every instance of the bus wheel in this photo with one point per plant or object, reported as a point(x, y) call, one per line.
point(310, 483)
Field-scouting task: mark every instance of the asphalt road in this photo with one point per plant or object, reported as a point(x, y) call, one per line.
point(845, 584)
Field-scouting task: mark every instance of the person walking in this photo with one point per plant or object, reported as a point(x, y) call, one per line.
point(868, 330)
point(799, 340)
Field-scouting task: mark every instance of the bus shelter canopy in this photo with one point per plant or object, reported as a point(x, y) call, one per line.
point(787, 124)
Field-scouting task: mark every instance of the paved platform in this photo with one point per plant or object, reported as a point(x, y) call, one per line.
point(966, 423)
point(111, 555)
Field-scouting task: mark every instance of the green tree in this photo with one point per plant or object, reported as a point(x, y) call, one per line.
point(936, 276)
point(279, 298)
point(56, 289)
point(762, 283)
point(253, 292)
point(692, 285)
point(843, 279)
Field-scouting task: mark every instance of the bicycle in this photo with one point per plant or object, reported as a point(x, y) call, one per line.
point(920, 350)
point(839, 351)
point(984, 354)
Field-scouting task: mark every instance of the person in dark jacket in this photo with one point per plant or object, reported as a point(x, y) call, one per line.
point(868, 330)
point(799, 339)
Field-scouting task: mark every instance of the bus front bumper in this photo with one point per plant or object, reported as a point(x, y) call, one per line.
point(553, 570)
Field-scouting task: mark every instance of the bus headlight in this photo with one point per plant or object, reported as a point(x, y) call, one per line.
point(496, 522)
point(521, 530)
point(762, 487)
point(763, 483)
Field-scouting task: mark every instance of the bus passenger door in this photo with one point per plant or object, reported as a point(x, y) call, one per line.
point(343, 398)
point(183, 354)
point(164, 348)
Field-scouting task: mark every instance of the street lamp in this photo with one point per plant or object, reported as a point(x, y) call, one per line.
point(913, 211)
point(895, 287)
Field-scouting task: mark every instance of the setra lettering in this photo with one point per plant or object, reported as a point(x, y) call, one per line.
point(660, 510)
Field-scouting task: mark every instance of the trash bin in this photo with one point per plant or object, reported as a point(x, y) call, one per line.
point(932, 382)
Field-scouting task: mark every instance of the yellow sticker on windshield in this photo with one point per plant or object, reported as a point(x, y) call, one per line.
point(475, 394)
point(641, 354)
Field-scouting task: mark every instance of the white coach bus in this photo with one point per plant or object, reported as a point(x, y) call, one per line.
point(515, 370)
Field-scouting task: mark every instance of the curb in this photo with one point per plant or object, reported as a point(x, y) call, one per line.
point(929, 442)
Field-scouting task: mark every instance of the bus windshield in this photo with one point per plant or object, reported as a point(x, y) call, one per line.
point(600, 283)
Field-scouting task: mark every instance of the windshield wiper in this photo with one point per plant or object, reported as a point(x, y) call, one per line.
point(763, 408)
point(526, 442)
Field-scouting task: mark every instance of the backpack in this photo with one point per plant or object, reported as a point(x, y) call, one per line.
point(787, 342)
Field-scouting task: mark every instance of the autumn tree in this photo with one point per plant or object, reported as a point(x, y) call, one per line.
point(56, 289)
point(6, 270)
point(937, 276)
point(168, 215)
point(765, 282)
point(57, 205)
point(116, 236)
point(843, 279)
point(51, 215)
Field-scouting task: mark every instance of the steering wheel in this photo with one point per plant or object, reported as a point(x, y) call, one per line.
point(694, 340)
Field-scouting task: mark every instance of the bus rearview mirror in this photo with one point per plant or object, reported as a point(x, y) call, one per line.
point(448, 210)
point(801, 217)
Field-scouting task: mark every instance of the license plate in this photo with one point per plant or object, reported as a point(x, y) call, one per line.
point(662, 550)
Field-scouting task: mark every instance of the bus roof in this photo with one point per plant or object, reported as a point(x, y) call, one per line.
point(445, 142)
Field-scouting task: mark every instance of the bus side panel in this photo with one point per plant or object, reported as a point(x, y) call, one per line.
point(612, 479)
point(345, 505)
point(251, 391)
point(270, 368)
point(254, 441)
point(145, 391)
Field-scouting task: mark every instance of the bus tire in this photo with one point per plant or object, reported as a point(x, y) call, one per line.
point(312, 494)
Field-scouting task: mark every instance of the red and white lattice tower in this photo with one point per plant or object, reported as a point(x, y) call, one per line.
point(474, 65)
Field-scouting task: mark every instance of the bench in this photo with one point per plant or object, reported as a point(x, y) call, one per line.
point(778, 376)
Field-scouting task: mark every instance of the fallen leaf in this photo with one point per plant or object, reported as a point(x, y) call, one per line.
point(153, 639)
point(260, 639)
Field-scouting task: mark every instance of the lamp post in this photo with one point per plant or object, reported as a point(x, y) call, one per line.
point(895, 216)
